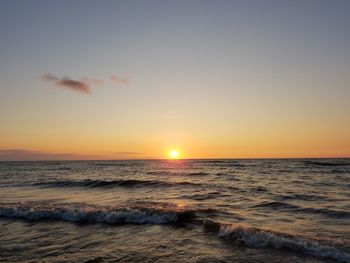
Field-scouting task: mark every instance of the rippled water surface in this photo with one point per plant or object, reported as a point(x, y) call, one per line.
point(175, 211)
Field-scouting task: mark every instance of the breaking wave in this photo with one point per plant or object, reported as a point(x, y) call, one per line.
point(260, 238)
point(142, 213)
point(168, 213)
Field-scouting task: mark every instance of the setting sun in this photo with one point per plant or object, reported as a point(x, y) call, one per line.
point(173, 154)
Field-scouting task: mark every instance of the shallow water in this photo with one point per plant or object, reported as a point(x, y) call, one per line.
point(175, 211)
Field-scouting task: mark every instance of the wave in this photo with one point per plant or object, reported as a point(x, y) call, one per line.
point(327, 163)
point(112, 183)
point(228, 163)
point(161, 172)
point(61, 168)
point(113, 164)
point(304, 197)
point(170, 213)
point(142, 213)
point(259, 188)
point(165, 172)
point(197, 174)
point(260, 238)
point(311, 210)
point(276, 204)
point(200, 197)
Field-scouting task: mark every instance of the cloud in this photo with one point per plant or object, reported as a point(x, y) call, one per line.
point(79, 86)
point(31, 155)
point(93, 81)
point(49, 77)
point(119, 80)
point(126, 153)
point(27, 155)
point(85, 84)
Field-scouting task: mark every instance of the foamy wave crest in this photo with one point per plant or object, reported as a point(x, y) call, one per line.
point(255, 237)
point(156, 213)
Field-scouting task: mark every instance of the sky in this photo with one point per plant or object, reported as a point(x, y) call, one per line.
point(212, 79)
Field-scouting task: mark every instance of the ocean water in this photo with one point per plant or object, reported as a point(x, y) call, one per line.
point(294, 210)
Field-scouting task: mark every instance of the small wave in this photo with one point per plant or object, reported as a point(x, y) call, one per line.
point(239, 165)
point(197, 174)
point(286, 171)
point(200, 197)
point(310, 210)
point(117, 163)
point(143, 213)
point(15, 247)
point(260, 238)
point(228, 163)
point(62, 168)
point(113, 183)
point(276, 204)
point(215, 161)
point(162, 172)
point(111, 164)
point(304, 197)
point(327, 163)
point(259, 188)
point(337, 171)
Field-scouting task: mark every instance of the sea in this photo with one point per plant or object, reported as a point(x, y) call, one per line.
point(254, 210)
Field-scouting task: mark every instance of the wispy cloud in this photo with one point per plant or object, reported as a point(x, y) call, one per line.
point(119, 80)
point(85, 84)
point(93, 81)
point(75, 85)
point(31, 155)
point(126, 153)
point(28, 155)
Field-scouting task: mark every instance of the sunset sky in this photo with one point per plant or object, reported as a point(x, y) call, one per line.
point(212, 79)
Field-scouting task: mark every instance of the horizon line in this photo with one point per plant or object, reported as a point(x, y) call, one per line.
point(180, 159)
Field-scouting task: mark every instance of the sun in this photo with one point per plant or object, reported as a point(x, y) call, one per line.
point(174, 154)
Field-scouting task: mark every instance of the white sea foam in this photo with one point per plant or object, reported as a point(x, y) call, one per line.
point(255, 237)
point(157, 214)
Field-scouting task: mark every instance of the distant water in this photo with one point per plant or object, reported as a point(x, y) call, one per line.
point(175, 211)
